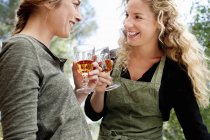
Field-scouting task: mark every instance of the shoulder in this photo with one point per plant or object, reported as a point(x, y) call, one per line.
point(171, 64)
point(175, 75)
point(19, 49)
point(174, 68)
point(18, 40)
point(19, 44)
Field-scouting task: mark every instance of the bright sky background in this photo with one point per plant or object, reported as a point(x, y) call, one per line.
point(109, 20)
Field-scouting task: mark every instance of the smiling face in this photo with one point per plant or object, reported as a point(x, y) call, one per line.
point(61, 18)
point(141, 27)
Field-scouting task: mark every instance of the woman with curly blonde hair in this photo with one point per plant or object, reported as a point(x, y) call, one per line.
point(161, 66)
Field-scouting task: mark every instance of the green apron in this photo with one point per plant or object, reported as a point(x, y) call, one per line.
point(133, 109)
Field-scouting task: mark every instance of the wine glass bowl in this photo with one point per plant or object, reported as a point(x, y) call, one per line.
point(104, 62)
point(85, 66)
point(107, 67)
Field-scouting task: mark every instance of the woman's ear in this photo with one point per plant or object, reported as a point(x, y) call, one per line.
point(49, 5)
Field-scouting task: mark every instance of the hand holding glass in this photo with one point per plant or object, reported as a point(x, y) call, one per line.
point(105, 62)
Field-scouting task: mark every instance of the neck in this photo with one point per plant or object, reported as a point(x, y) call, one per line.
point(146, 52)
point(38, 29)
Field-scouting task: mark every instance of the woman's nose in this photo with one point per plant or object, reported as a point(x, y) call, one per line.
point(78, 17)
point(128, 23)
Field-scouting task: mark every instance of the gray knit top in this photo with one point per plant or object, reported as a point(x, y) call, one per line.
point(36, 98)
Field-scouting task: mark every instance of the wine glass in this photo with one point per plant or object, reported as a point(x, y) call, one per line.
point(83, 54)
point(104, 60)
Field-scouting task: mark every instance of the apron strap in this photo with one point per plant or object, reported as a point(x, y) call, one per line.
point(116, 72)
point(159, 71)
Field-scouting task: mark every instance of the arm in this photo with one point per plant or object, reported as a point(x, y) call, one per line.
point(90, 112)
point(97, 98)
point(95, 102)
point(18, 91)
point(187, 110)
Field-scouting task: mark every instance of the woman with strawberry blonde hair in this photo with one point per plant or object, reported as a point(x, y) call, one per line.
point(37, 101)
point(161, 66)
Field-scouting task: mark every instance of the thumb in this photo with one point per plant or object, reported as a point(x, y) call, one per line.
point(74, 67)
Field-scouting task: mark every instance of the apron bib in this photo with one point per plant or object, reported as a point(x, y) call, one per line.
point(133, 109)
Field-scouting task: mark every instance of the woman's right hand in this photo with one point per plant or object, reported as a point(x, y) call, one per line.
point(104, 79)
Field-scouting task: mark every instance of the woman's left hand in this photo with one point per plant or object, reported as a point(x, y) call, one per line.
point(92, 77)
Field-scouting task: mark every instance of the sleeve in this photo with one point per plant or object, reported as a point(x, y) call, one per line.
point(187, 110)
point(19, 88)
point(89, 111)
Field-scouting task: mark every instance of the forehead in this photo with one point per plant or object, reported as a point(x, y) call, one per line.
point(140, 7)
point(137, 6)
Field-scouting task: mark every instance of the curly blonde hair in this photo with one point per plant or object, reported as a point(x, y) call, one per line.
point(179, 44)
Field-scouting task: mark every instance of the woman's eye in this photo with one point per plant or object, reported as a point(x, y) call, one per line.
point(138, 17)
point(126, 15)
point(76, 5)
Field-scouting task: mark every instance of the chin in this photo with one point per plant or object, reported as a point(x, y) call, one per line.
point(133, 43)
point(64, 35)
point(130, 43)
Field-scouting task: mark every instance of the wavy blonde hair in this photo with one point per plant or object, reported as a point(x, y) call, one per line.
point(26, 8)
point(179, 44)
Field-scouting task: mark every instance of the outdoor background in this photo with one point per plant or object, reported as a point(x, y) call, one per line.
point(101, 26)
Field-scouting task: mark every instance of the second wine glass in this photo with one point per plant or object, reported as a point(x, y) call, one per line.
point(104, 60)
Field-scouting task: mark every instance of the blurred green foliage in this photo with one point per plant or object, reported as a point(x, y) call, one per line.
point(7, 16)
point(201, 23)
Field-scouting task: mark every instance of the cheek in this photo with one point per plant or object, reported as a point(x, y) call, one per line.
point(61, 21)
point(149, 27)
point(59, 26)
